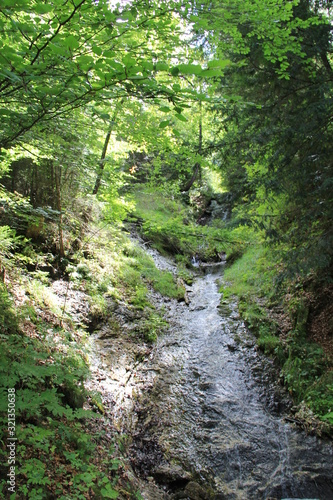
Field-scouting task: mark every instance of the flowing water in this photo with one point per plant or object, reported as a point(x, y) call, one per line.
point(203, 395)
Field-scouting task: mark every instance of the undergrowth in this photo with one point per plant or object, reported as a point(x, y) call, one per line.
point(46, 370)
point(44, 362)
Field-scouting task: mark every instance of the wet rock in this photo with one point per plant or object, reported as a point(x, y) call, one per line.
point(179, 495)
point(194, 491)
point(205, 385)
point(234, 315)
point(249, 344)
point(169, 474)
point(197, 308)
point(210, 423)
point(107, 334)
point(224, 309)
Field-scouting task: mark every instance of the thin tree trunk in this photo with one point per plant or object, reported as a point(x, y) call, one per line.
point(57, 177)
point(193, 178)
point(327, 64)
point(197, 166)
point(53, 205)
point(101, 163)
point(34, 185)
point(105, 148)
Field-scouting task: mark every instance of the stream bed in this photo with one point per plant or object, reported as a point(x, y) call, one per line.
point(201, 408)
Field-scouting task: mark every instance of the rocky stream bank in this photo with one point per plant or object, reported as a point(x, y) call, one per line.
point(199, 414)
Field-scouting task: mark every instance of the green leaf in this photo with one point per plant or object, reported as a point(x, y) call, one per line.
point(211, 72)
point(328, 417)
point(181, 117)
point(43, 8)
point(147, 65)
point(134, 12)
point(57, 49)
point(116, 65)
point(136, 69)
point(12, 76)
point(161, 66)
point(137, 77)
point(219, 63)
point(164, 123)
point(109, 53)
point(71, 42)
point(175, 71)
point(108, 492)
point(165, 109)
point(85, 62)
point(97, 50)
point(128, 61)
point(190, 69)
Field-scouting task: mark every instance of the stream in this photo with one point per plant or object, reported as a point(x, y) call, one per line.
point(201, 406)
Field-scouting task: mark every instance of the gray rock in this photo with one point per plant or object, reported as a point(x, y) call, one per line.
point(195, 492)
point(169, 473)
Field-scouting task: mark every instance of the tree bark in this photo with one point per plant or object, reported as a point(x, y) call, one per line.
point(193, 178)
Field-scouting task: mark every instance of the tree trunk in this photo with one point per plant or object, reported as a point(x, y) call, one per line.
point(2, 273)
point(101, 163)
point(53, 201)
point(193, 178)
point(105, 147)
point(34, 185)
point(197, 166)
point(327, 64)
point(57, 178)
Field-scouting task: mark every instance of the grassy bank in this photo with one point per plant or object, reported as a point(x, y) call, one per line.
point(282, 315)
point(171, 226)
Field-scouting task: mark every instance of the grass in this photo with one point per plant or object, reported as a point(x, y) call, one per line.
point(253, 274)
point(171, 227)
point(126, 270)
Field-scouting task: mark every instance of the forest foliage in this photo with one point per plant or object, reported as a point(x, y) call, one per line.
point(159, 115)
